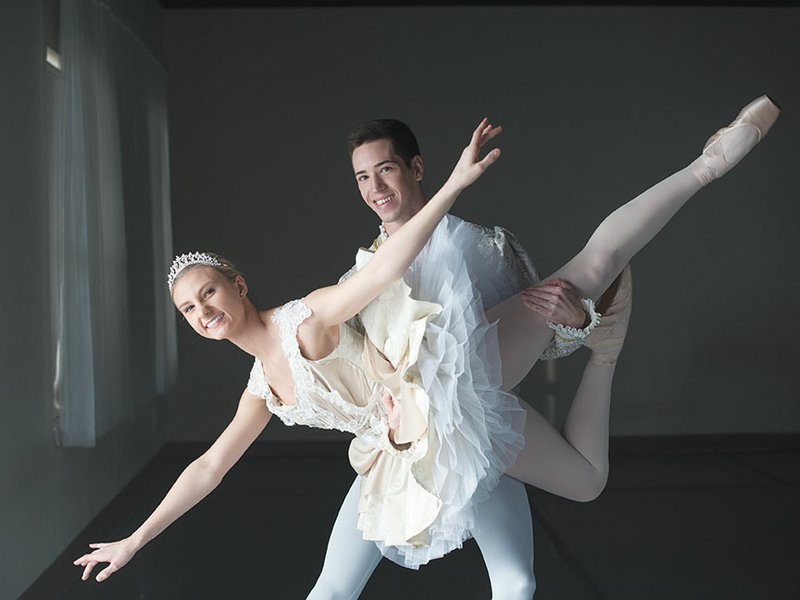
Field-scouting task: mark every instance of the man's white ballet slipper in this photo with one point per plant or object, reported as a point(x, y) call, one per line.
point(615, 307)
point(730, 144)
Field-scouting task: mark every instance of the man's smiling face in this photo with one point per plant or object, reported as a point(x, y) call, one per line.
point(387, 184)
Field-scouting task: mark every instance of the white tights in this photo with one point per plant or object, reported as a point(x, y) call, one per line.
point(575, 465)
point(503, 531)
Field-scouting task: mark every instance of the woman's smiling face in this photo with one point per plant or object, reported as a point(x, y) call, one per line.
point(210, 302)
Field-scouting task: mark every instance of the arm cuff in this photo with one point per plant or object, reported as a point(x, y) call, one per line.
point(568, 339)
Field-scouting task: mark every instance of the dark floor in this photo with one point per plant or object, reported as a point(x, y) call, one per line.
point(675, 522)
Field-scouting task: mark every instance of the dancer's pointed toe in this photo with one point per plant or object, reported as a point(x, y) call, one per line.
point(729, 145)
point(775, 102)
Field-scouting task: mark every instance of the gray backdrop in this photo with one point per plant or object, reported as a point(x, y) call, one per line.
point(598, 104)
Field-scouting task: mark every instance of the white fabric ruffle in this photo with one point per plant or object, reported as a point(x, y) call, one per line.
point(474, 428)
point(568, 339)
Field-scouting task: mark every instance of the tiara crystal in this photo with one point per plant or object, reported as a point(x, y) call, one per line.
point(187, 260)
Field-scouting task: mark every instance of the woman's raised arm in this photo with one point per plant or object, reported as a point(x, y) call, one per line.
point(194, 484)
point(336, 304)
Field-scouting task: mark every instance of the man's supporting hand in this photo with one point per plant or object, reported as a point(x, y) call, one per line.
point(556, 301)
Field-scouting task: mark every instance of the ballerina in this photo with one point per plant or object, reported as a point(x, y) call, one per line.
point(297, 344)
point(286, 343)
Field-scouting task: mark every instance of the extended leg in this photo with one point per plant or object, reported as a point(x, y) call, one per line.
point(504, 533)
point(624, 232)
point(350, 560)
point(523, 334)
point(629, 228)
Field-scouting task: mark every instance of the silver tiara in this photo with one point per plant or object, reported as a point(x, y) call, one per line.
point(187, 260)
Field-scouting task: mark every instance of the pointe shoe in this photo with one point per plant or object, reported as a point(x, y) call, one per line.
point(614, 306)
point(730, 144)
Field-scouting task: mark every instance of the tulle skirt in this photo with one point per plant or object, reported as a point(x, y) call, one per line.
point(475, 429)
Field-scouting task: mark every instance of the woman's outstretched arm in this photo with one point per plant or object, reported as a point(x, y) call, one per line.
point(336, 304)
point(194, 484)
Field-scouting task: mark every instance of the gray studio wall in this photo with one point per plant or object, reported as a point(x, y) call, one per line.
point(48, 493)
point(598, 103)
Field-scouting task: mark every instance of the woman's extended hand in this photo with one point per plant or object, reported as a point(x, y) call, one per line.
point(117, 554)
point(470, 166)
point(393, 418)
point(392, 412)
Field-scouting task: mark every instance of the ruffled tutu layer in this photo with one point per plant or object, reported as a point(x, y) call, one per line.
point(474, 429)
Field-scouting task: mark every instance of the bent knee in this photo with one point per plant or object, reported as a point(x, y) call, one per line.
point(601, 261)
point(593, 487)
point(517, 585)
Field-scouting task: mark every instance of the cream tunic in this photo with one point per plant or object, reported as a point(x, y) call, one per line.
point(343, 391)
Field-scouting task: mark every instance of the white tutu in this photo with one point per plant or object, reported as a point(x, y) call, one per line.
point(474, 428)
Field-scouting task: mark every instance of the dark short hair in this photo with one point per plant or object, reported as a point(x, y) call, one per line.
point(403, 140)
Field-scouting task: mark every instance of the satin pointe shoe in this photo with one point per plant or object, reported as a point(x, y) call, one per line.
point(730, 144)
point(614, 306)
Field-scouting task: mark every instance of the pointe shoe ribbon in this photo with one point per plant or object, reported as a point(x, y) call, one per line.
point(615, 307)
point(730, 144)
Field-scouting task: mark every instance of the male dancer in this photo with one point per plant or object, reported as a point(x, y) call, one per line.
point(389, 171)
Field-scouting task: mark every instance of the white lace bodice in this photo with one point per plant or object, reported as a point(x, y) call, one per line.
point(331, 393)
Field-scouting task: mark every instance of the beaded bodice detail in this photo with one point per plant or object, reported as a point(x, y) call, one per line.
point(330, 393)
